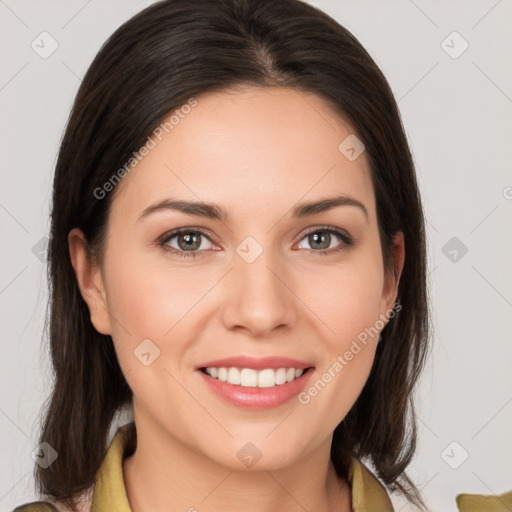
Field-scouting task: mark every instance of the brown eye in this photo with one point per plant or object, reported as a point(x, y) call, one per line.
point(185, 242)
point(326, 240)
point(320, 240)
point(189, 241)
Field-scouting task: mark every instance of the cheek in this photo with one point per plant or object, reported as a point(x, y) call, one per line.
point(349, 306)
point(148, 295)
point(347, 298)
point(147, 301)
point(350, 309)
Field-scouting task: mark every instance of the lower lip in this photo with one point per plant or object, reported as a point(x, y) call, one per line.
point(254, 397)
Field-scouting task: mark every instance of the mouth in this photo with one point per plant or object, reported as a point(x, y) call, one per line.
point(252, 378)
point(248, 388)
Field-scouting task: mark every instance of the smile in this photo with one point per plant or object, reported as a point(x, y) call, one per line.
point(248, 377)
point(255, 389)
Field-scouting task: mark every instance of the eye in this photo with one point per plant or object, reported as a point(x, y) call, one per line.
point(190, 242)
point(322, 240)
point(185, 242)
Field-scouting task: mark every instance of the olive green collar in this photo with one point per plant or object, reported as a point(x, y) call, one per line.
point(368, 494)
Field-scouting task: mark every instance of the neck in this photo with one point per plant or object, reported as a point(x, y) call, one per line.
point(165, 474)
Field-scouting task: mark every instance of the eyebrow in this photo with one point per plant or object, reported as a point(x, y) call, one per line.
point(214, 211)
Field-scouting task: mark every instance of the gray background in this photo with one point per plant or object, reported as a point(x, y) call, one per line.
point(457, 114)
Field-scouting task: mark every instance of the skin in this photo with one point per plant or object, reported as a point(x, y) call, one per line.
point(256, 152)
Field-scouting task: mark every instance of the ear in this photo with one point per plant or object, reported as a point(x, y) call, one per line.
point(391, 282)
point(90, 281)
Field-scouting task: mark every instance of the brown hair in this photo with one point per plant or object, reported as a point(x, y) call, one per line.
point(152, 64)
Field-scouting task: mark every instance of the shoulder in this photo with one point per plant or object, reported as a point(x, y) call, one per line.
point(484, 502)
point(36, 506)
point(368, 493)
point(83, 504)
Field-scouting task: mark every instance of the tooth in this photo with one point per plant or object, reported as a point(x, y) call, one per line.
point(223, 374)
point(266, 378)
point(249, 377)
point(281, 376)
point(234, 376)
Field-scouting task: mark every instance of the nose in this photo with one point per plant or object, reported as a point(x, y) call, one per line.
point(259, 297)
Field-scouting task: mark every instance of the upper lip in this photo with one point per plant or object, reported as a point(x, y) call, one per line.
point(256, 363)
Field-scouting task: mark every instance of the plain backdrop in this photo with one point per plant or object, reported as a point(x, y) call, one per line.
point(450, 67)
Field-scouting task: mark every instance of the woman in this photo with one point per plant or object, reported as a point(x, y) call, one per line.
point(237, 253)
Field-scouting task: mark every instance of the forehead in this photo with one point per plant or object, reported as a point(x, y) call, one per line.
point(259, 146)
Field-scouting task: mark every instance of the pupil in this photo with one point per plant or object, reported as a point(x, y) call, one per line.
point(191, 241)
point(323, 237)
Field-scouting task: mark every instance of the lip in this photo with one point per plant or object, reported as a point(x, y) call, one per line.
point(253, 397)
point(257, 363)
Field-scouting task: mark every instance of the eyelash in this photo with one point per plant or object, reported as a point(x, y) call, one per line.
point(347, 241)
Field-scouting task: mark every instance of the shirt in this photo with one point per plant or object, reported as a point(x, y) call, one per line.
point(368, 494)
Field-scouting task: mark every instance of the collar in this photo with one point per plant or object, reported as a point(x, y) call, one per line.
point(368, 494)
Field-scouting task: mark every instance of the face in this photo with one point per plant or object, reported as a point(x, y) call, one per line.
point(268, 279)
